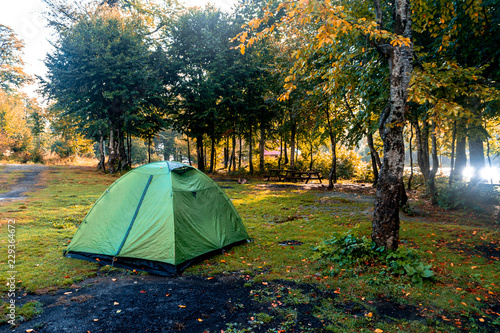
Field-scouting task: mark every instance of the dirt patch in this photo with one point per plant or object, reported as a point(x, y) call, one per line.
point(144, 303)
point(29, 180)
point(490, 250)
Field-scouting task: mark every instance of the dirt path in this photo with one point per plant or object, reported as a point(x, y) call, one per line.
point(27, 182)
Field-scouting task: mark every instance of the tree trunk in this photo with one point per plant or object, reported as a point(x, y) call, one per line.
point(212, 154)
point(452, 159)
point(476, 136)
point(189, 151)
point(285, 153)
point(411, 158)
point(250, 152)
point(281, 151)
point(102, 153)
point(226, 153)
point(312, 161)
point(332, 175)
point(489, 158)
point(435, 166)
point(422, 136)
point(292, 144)
point(374, 157)
point(149, 149)
point(476, 153)
point(239, 152)
point(262, 146)
point(385, 226)
point(115, 160)
point(233, 153)
point(461, 156)
point(199, 153)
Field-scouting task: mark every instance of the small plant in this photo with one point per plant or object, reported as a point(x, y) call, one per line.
point(347, 251)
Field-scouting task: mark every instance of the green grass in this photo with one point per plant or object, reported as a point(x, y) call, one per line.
point(463, 295)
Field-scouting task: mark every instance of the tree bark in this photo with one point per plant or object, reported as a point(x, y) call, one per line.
point(410, 148)
point(452, 159)
point(233, 153)
point(461, 156)
point(199, 152)
point(115, 160)
point(435, 166)
point(422, 136)
point(476, 135)
point(262, 146)
point(212, 154)
point(250, 152)
point(385, 226)
point(189, 151)
point(374, 157)
point(292, 144)
point(102, 153)
point(332, 175)
point(239, 151)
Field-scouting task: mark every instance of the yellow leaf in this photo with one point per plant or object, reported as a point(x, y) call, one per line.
point(242, 49)
point(182, 306)
point(378, 330)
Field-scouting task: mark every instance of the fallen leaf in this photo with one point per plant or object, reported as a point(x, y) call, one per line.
point(200, 320)
point(116, 303)
point(378, 330)
point(113, 279)
point(182, 306)
point(167, 294)
point(96, 319)
point(369, 315)
point(473, 267)
point(481, 320)
point(210, 278)
point(142, 291)
point(264, 283)
point(463, 303)
point(29, 330)
point(67, 276)
point(67, 293)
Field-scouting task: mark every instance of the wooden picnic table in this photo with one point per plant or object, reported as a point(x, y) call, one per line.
point(306, 176)
point(277, 173)
point(293, 175)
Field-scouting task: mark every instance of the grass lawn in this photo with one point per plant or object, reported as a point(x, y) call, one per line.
point(462, 247)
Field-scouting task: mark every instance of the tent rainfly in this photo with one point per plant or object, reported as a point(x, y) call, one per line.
point(160, 218)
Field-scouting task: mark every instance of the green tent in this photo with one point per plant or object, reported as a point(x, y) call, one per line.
point(159, 218)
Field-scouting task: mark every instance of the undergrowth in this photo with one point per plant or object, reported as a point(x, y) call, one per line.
point(348, 253)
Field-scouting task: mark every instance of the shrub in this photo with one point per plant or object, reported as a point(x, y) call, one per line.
point(462, 195)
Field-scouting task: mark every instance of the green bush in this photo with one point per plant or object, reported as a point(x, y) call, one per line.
point(462, 195)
